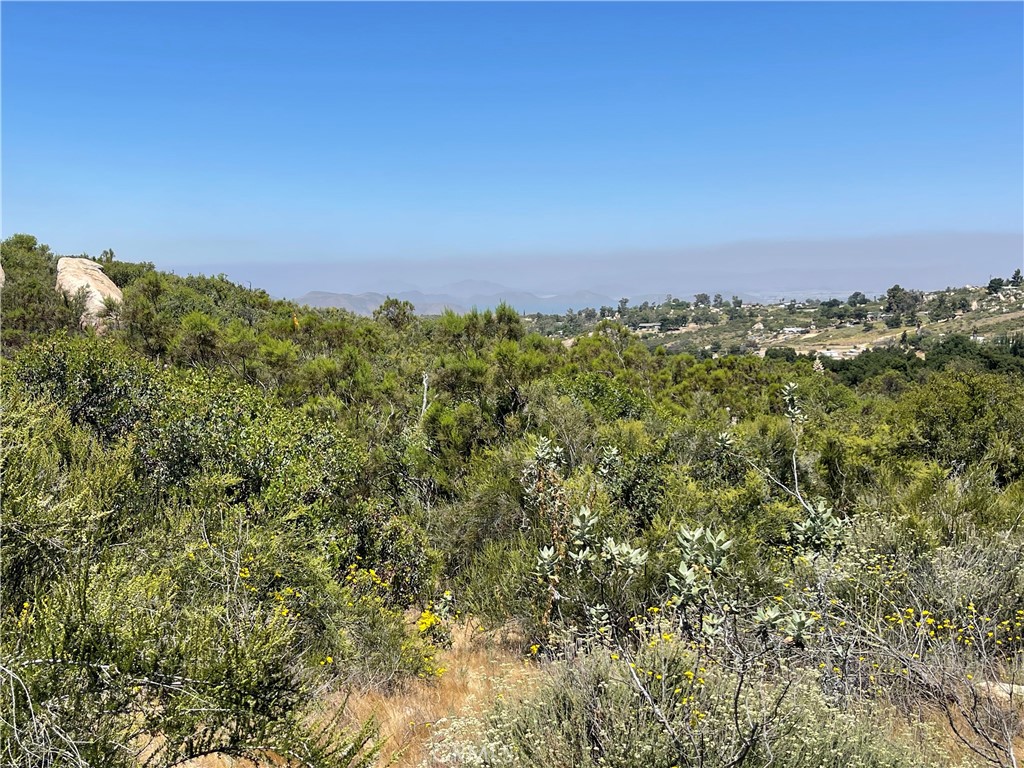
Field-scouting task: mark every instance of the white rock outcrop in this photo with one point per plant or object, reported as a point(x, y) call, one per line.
point(75, 274)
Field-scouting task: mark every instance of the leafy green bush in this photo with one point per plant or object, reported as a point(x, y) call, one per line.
point(32, 308)
point(100, 384)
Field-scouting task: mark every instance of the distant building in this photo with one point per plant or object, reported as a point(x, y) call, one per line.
point(840, 353)
point(649, 327)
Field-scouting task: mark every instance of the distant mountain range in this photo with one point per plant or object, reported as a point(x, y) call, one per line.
point(461, 297)
point(754, 270)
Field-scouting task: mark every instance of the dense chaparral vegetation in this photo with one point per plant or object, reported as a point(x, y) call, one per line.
point(228, 508)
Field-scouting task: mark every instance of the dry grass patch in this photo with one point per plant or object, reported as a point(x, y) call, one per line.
point(478, 668)
point(226, 761)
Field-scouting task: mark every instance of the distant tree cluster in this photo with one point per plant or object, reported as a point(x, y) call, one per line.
point(996, 284)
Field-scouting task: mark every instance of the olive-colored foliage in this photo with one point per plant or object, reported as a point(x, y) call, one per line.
point(173, 630)
point(263, 450)
point(874, 362)
point(32, 307)
point(60, 487)
point(187, 560)
point(961, 417)
point(124, 273)
point(98, 383)
point(1004, 356)
point(610, 399)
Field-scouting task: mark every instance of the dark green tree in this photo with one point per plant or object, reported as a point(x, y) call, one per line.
point(398, 314)
point(995, 285)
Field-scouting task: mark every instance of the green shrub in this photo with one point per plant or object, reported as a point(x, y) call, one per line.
point(101, 384)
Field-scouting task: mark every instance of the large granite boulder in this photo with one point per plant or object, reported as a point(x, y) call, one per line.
point(74, 275)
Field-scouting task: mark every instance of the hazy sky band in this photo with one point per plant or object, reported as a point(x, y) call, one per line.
point(342, 132)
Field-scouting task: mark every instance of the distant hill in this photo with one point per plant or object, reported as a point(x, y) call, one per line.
point(460, 297)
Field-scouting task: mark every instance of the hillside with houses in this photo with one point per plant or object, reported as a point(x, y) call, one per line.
point(832, 328)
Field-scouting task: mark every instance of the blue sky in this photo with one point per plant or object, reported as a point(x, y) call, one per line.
point(196, 134)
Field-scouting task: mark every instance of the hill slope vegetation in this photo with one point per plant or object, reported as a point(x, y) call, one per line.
point(228, 511)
